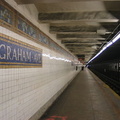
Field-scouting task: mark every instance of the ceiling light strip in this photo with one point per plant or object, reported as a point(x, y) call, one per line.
point(116, 38)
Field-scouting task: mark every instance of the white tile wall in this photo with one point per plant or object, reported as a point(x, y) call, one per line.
point(23, 91)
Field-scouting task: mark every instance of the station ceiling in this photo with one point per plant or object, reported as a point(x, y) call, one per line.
point(83, 26)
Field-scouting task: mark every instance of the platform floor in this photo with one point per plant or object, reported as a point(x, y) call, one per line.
point(84, 99)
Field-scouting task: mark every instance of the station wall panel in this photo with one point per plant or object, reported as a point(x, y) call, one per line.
point(27, 91)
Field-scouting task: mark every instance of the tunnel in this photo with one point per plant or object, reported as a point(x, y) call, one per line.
point(59, 60)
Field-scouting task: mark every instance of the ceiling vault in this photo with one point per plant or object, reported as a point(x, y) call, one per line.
point(83, 26)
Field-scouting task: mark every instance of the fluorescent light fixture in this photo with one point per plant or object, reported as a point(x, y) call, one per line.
point(109, 44)
point(103, 49)
point(116, 38)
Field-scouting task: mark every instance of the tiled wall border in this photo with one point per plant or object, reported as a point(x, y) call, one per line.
point(20, 64)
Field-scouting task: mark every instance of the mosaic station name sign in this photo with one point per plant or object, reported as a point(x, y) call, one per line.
point(19, 54)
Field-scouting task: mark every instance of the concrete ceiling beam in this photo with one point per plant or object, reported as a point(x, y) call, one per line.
point(83, 53)
point(53, 1)
point(98, 16)
point(82, 39)
point(92, 33)
point(82, 43)
point(80, 29)
point(63, 36)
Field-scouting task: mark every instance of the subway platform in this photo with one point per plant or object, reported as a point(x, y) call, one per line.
point(86, 98)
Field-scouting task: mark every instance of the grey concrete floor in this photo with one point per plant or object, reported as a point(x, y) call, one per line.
point(82, 100)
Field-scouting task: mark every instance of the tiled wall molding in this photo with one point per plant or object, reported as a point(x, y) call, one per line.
point(19, 24)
